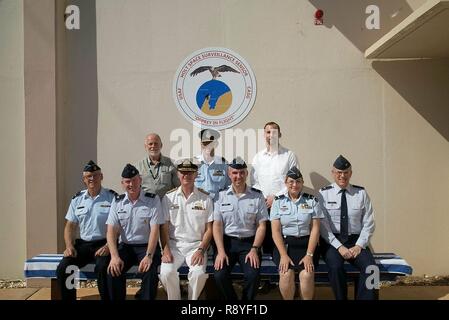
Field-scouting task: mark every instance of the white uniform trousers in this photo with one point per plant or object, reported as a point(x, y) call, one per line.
point(169, 274)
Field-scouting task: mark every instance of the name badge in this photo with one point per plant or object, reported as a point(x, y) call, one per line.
point(226, 207)
point(174, 206)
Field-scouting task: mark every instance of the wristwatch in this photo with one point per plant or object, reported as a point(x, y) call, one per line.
point(149, 254)
point(200, 249)
point(255, 247)
point(310, 254)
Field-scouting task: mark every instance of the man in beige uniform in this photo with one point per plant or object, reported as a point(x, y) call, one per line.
point(158, 172)
point(186, 234)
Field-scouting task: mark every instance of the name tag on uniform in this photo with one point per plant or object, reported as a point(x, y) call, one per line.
point(105, 205)
point(121, 211)
point(82, 207)
point(174, 206)
point(332, 202)
point(226, 207)
point(218, 173)
point(283, 208)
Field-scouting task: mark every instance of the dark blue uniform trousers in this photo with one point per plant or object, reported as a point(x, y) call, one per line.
point(337, 274)
point(132, 255)
point(236, 250)
point(85, 254)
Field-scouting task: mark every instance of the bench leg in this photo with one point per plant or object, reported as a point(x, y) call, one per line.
point(54, 290)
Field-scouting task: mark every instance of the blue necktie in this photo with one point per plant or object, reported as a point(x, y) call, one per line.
point(343, 218)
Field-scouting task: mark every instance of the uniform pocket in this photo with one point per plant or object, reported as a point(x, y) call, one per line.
point(166, 178)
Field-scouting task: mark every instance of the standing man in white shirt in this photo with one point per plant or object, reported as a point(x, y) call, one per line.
point(269, 168)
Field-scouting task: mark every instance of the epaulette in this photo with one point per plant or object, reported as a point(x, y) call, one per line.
point(119, 197)
point(309, 196)
point(203, 191)
point(224, 160)
point(77, 194)
point(113, 192)
point(257, 190)
point(150, 195)
point(358, 187)
point(170, 191)
point(327, 188)
point(282, 196)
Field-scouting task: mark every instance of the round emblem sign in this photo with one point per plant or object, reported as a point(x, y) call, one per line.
point(214, 88)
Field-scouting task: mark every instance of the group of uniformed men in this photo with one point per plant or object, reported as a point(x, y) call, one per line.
point(171, 214)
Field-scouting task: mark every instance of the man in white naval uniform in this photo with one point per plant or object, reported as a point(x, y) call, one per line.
point(186, 234)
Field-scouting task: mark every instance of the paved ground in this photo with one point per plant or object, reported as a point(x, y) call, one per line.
point(322, 293)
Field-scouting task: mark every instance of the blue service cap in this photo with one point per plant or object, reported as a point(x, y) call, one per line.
point(341, 163)
point(91, 166)
point(129, 171)
point(294, 173)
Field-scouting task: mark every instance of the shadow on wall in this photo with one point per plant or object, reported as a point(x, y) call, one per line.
point(81, 105)
point(318, 181)
point(78, 110)
point(349, 17)
point(424, 84)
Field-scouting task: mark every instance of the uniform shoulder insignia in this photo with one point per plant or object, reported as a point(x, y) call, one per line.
point(113, 192)
point(170, 191)
point(76, 194)
point(327, 188)
point(282, 196)
point(257, 190)
point(119, 197)
point(203, 191)
point(309, 196)
point(223, 189)
point(150, 195)
point(358, 187)
point(224, 160)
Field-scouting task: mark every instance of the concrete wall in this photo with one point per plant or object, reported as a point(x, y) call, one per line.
point(94, 93)
point(12, 142)
point(313, 80)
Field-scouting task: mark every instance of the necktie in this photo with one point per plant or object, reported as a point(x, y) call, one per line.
point(343, 218)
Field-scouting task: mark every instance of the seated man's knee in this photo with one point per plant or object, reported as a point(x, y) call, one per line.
point(167, 273)
point(101, 264)
point(252, 274)
point(221, 275)
point(197, 273)
point(62, 268)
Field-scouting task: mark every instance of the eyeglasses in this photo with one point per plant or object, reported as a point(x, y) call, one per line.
point(342, 173)
point(293, 182)
point(92, 176)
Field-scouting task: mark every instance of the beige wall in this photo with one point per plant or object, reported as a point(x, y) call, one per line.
point(12, 143)
point(313, 80)
point(94, 93)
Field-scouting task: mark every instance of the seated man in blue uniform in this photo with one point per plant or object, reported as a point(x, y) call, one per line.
point(88, 211)
point(346, 231)
point(136, 217)
point(213, 170)
point(240, 216)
